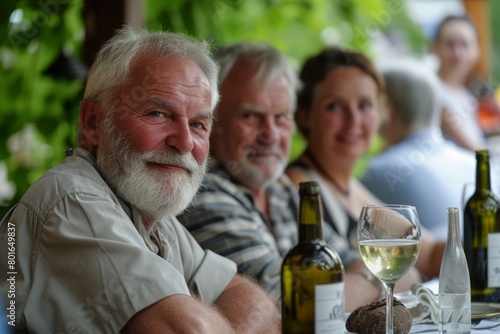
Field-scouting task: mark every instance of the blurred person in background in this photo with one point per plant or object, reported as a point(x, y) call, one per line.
point(418, 167)
point(457, 49)
point(338, 116)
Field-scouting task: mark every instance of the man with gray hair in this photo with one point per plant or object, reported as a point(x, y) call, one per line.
point(97, 247)
point(247, 208)
point(419, 166)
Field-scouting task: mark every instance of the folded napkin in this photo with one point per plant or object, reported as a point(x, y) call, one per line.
point(422, 303)
point(427, 310)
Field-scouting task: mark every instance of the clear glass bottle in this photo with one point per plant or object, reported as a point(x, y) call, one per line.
point(312, 275)
point(482, 235)
point(454, 283)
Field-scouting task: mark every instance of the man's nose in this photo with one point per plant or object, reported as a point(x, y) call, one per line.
point(268, 132)
point(181, 137)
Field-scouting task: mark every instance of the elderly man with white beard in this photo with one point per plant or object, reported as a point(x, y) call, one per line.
point(94, 246)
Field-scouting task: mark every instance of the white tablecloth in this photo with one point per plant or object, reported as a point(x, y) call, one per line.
point(484, 326)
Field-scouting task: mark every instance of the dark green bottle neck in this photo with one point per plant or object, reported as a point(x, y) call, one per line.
point(483, 184)
point(309, 218)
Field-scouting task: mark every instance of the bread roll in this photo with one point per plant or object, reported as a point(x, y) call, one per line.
point(370, 318)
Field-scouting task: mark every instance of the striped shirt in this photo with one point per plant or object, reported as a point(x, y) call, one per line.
point(224, 219)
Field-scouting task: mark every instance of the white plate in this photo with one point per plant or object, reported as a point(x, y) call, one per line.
point(484, 310)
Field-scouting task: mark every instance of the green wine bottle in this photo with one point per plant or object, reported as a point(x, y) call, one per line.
point(312, 275)
point(482, 235)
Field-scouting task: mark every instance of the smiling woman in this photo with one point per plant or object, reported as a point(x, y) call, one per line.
point(338, 114)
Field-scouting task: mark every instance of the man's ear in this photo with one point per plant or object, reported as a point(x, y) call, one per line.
point(88, 120)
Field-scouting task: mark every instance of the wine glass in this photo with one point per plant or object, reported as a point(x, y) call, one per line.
point(389, 243)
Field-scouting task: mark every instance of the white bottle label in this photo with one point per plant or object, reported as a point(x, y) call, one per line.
point(494, 260)
point(329, 308)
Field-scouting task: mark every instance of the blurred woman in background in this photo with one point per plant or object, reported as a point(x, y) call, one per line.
point(456, 46)
point(338, 115)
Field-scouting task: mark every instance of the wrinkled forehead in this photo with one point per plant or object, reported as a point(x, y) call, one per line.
point(150, 67)
point(150, 73)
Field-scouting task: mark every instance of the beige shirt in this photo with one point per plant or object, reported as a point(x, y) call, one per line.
point(85, 262)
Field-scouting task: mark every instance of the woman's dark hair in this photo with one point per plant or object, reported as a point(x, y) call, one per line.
point(451, 18)
point(317, 67)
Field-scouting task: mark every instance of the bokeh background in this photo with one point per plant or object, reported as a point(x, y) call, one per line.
point(46, 47)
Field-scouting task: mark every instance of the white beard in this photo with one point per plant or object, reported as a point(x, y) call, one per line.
point(154, 193)
point(250, 172)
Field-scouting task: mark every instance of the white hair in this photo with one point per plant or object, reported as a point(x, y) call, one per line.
point(269, 61)
point(115, 60)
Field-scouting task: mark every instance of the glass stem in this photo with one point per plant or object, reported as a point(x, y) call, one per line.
point(389, 328)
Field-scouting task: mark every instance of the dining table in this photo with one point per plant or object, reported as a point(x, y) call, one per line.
point(483, 322)
point(484, 326)
point(490, 325)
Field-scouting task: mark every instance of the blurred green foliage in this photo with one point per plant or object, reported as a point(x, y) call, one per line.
point(495, 38)
point(38, 112)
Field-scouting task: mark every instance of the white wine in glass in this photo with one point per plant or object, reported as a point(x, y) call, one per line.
point(389, 243)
